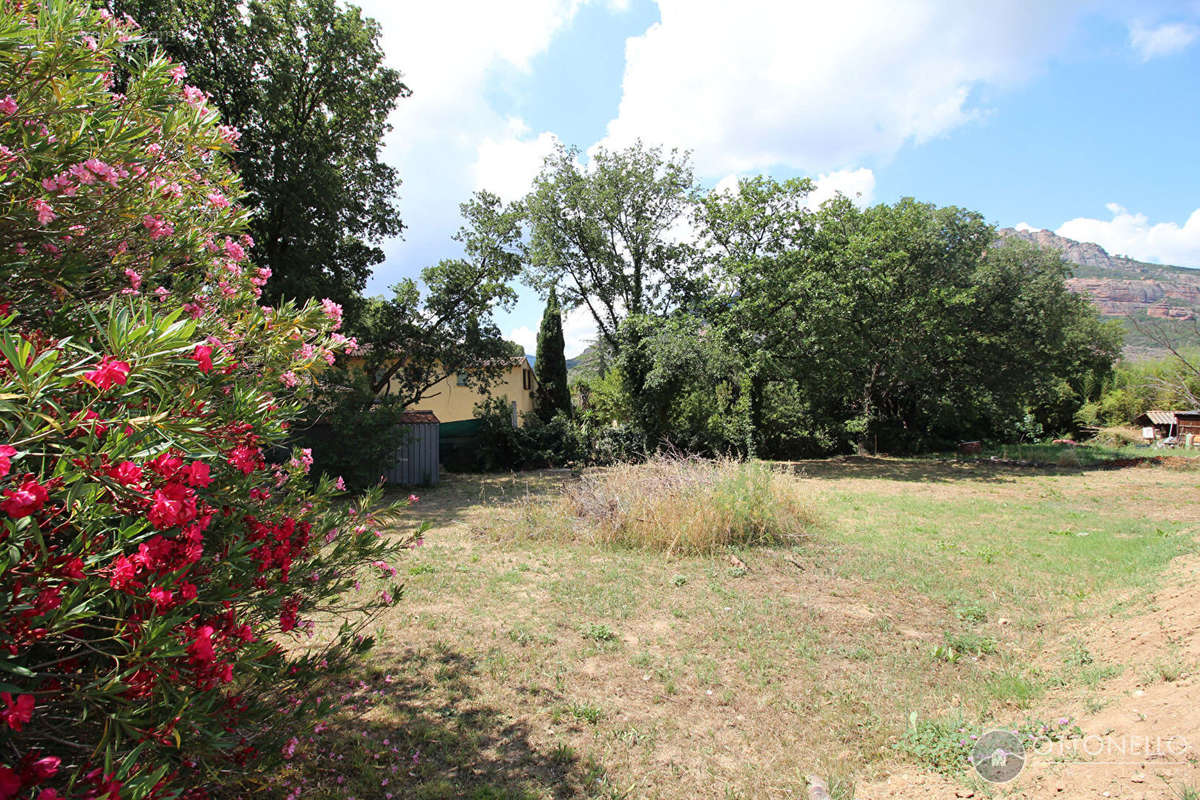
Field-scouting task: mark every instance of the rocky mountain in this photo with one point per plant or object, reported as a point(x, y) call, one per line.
point(1124, 287)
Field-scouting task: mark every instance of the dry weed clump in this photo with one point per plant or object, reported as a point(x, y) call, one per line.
point(688, 505)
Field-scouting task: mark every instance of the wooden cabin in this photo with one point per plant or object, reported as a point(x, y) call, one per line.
point(1187, 422)
point(1162, 423)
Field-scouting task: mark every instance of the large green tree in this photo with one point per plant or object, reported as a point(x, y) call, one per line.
point(601, 233)
point(606, 234)
point(897, 326)
point(554, 394)
point(306, 84)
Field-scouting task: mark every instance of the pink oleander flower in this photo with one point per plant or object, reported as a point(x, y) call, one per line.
point(385, 568)
point(178, 73)
point(289, 379)
point(194, 97)
point(45, 214)
point(135, 280)
point(8, 106)
point(333, 311)
point(228, 133)
point(234, 250)
point(218, 200)
point(6, 454)
point(157, 227)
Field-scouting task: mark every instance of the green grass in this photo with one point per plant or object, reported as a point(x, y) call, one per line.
point(548, 665)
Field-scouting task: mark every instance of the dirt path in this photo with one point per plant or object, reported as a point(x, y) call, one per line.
point(1141, 729)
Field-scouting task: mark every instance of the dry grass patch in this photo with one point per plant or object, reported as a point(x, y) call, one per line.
point(682, 506)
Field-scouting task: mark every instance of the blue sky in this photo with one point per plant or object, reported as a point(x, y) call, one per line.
point(1071, 115)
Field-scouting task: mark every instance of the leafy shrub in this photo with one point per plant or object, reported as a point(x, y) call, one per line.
point(350, 433)
point(615, 444)
point(155, 568)
point(503, 446)
point(557, 442)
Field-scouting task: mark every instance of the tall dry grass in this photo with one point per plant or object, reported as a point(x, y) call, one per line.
point(676, 505)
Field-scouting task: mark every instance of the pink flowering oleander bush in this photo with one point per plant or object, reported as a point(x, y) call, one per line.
point(160, 581)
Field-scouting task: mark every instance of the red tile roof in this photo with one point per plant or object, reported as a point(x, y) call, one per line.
point(418, 417)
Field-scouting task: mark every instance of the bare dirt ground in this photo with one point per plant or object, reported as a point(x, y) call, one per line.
point(1141, 729)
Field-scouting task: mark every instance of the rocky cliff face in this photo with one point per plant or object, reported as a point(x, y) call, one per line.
point(1120, 286)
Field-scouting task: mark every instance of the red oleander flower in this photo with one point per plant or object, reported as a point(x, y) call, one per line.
point(17, 713)
point(202, 355)
point(167, 465)
point(197, 474)
point(173, 504)
point(6, 454)
point(126, 473)
point(25, 499)
point(10, 783)
point(201, 649)
point(124, 573)
point(162, 598)
point(245, 458)
point(111, 372)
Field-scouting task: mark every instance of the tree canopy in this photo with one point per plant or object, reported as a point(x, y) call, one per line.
point(305, 83)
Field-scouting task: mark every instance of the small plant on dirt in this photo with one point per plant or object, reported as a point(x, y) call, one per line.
point(563, 753)
point(1182, 791)
point(955, 645)
point(679, 580)
point(1169, 669)
point(942, 744)
point(597, 632)
point(971, 614)
point(1078, 655)
point(585, 712)
point(1035, 733)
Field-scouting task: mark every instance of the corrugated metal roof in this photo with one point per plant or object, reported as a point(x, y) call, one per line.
point(418, 417)
point(1160, 417)
point(1189, 414)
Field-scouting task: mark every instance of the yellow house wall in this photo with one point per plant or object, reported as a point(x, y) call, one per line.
point(451, 402)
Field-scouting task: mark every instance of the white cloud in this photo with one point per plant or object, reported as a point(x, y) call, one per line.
point(1161, 40)
point(817, 86)
point(448, 137)
point(1025, 227)
point(507, 165)
point(579, 330)
point(1133, 235)
point(524, 336)
point(857, 184)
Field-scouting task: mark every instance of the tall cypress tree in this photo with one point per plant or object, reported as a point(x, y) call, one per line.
point(551, 368)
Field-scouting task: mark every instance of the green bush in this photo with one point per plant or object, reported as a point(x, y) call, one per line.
point(351, 432)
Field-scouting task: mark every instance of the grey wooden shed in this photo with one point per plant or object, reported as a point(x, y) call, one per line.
point(417, 456)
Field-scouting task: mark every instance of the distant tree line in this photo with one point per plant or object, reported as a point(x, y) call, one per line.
point(769, 327)
point(731, 322)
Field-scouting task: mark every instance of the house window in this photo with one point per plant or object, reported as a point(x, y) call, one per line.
point(526, 379)
point(460, 379)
